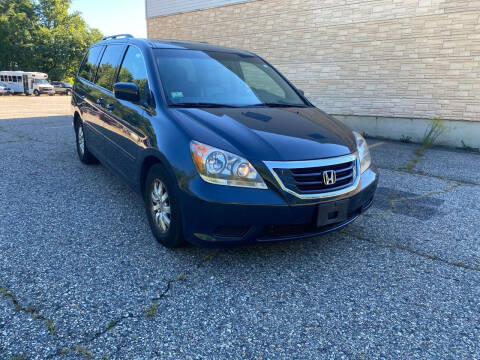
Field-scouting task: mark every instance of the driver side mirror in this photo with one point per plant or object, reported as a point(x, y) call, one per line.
point(301, 92)
point(128, 91)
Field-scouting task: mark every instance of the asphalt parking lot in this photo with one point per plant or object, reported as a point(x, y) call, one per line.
point(82, 277)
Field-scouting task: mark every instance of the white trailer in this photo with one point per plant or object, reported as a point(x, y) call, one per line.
point(27, 82)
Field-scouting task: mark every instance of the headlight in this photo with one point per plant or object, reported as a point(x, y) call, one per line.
point(217, 166)
point(363, 152)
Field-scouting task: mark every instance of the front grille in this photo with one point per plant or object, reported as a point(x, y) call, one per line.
point(307, 177)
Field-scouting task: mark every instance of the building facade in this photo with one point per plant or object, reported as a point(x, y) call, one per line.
point(384, 67)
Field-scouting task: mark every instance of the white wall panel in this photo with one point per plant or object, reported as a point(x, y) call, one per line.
point(166, 7)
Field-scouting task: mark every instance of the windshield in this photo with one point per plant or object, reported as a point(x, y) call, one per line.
point(207, 78)
point(41, 81)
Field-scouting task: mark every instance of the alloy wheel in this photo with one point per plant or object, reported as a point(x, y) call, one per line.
point(160, 206)
point(81, 140)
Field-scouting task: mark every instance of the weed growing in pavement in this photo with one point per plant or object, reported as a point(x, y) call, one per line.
point(82, 351)
point(433, 132)
point(111, 324)
point(152, 310)
point(50, 327)
point(406, 139)
point(469, 148)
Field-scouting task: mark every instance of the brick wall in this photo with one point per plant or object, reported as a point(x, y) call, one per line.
point(393, 58)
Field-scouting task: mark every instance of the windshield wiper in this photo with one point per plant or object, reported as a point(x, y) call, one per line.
point(202, 105)
point(276, 105)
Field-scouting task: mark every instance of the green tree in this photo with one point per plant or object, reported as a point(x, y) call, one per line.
point(41, 35)
point(17, 32)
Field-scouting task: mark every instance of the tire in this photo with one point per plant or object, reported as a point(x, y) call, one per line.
point(165, 221)
point(68, 93)
point(84, 155)
point(36, 93)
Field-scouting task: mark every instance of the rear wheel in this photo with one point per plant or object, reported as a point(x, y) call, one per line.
point(162, 207)
point(84, 154)
point(36, 92)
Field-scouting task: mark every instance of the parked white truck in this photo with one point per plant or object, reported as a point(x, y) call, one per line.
point(23, 82)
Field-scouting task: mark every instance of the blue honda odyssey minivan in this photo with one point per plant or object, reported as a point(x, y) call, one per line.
point(222, 147)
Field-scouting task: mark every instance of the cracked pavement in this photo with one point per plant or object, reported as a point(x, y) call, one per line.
point(82, 277)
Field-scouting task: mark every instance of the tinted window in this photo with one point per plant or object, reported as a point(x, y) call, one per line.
point(87, 71)
point(108, 66)
point(134, 70)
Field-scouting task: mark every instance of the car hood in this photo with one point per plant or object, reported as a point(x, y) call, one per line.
point(269, 133)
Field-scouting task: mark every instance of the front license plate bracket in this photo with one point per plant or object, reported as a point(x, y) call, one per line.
point(332, 212)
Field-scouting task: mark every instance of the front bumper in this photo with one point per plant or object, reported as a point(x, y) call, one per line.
point(216, 216)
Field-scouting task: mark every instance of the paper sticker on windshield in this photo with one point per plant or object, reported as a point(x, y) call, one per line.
point(176, 94)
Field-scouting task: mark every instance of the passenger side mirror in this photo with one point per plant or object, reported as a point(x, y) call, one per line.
point(301, 92)
point(126, 91)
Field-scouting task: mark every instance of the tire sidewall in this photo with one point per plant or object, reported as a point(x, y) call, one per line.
point(174, 236)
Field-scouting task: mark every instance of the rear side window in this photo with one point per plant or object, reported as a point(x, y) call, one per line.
point(108, 66)
point(89, 66)
point(134, 70)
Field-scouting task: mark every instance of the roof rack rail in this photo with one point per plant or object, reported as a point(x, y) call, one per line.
point(118, 36)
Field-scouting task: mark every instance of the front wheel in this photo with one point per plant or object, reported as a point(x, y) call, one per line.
point(36, 93)
point(84, 155)
point(162, 207)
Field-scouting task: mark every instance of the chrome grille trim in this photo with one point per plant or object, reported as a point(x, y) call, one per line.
point(272, 165)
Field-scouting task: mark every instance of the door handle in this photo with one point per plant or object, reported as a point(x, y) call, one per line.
point(110, 107)
point(100, 102)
